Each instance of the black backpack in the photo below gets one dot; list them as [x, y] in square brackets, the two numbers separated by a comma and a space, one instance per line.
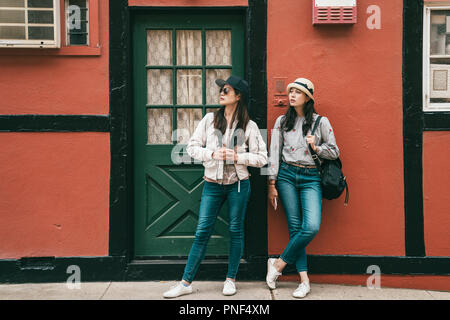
[333, 180]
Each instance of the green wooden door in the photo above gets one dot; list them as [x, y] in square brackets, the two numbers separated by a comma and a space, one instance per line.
[176, 58]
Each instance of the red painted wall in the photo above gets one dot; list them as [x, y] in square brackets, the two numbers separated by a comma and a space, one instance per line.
[55, 186]
[54, 194]
[436, 194]
[358, 77]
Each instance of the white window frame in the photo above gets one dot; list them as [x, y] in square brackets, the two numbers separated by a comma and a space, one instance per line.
[427, 105]
[56, 43]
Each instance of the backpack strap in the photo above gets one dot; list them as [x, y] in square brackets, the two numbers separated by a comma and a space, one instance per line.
[313, 153]
[316, 125]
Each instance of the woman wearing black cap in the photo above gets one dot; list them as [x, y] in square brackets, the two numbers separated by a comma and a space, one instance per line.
[226, 141]
[294, 176]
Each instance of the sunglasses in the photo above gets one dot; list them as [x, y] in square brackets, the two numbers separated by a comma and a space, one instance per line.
[225, 90]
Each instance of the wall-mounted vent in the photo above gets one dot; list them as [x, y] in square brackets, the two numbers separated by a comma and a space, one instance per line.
[334, 12]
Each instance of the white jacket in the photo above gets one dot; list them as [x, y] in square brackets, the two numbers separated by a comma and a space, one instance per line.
[204, 141]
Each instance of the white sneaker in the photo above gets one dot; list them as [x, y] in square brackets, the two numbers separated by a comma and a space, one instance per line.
[272, 273]
[303, 289]
[178, 290]
[229, 288]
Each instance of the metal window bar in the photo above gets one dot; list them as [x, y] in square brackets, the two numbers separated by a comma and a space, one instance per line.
[72, 35]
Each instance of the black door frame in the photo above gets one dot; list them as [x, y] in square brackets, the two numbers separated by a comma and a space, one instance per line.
[121, 204]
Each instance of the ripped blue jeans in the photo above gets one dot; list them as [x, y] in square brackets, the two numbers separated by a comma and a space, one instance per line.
[300, 192]
[213, 197]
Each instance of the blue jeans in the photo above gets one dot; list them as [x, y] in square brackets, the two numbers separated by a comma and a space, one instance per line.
[300, 192]
[213, 197]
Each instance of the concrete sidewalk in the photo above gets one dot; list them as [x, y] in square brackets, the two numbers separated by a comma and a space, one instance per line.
[204, 290]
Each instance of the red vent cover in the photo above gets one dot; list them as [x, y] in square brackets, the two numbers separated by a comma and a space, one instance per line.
[334, 12]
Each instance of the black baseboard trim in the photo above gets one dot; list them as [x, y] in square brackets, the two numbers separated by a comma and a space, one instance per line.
[51, 269]
[54, 123]
[436, 121]
[353, 264]
[118, 269]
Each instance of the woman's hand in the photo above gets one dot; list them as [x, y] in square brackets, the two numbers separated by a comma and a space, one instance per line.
[225, 154]
[230, 155]
[219, 154]
[311, 140]
[273, 196]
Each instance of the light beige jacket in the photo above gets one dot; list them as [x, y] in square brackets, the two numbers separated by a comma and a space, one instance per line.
[252, 152]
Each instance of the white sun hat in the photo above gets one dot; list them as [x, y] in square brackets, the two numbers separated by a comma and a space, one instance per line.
[304, 85]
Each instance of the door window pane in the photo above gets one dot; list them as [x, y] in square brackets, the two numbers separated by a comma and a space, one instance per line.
[189, 87]
[159, 87]
[188, 84]
[189, 48]
[159, 126]
[159, 47]
[187, 121]
[208, 110]
[212, 89]
[218, 47]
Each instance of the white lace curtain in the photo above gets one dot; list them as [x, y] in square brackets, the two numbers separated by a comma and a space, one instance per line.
[188, 81]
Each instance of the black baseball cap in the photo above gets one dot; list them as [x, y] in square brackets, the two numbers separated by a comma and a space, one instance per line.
[237, 83]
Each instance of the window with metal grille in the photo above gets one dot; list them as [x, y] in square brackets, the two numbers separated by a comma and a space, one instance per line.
[77, 22]
[29, 23]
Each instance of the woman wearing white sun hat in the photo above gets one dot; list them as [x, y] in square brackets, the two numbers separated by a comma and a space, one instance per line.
[294, 178]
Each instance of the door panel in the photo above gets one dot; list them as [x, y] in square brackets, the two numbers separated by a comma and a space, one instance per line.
[176, 58]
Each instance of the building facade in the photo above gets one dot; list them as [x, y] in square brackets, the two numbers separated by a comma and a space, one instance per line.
[90, 132]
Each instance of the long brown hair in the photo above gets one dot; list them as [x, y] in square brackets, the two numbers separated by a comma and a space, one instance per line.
[288, 121]
[241, 114]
